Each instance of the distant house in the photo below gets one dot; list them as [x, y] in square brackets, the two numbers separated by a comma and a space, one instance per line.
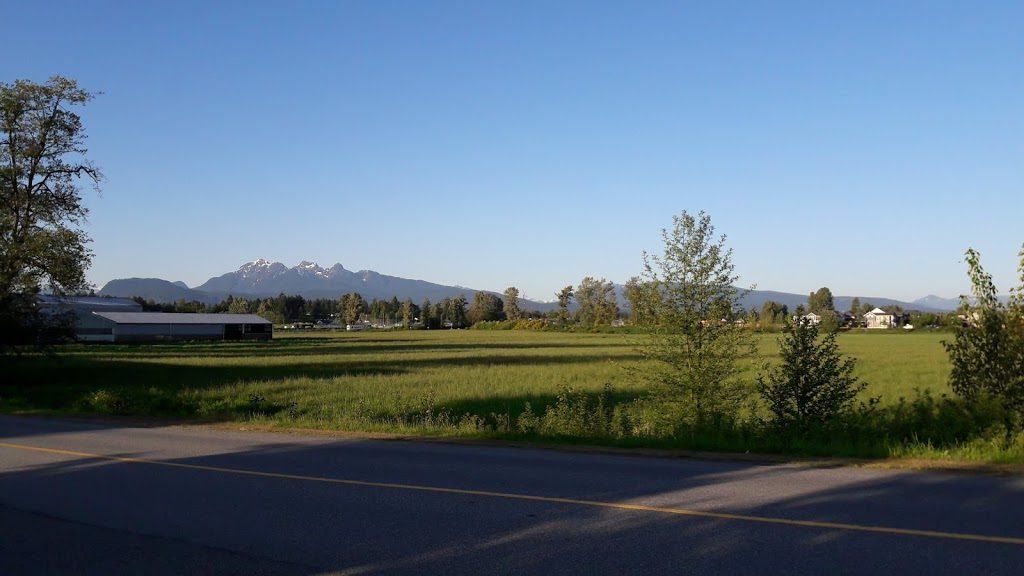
[879, 318]
[811, 318]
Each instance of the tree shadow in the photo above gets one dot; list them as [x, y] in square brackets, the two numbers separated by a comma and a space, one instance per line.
[151, 380]
[311, 345]
[361, 506]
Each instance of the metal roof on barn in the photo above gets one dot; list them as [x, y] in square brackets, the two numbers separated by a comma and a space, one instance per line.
[92, 301]
[180, 318]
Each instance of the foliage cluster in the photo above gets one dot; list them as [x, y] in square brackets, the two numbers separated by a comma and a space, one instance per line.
[821, 301]
[577, 414]
[813, 384]
[42, 247]
[689, 300]
[987, 354]
[773, 315]
[596, 303]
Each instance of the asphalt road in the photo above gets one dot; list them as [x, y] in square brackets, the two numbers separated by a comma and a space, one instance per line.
[78, 498]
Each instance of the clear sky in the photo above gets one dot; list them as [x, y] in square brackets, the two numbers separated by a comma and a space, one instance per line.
[861, 146]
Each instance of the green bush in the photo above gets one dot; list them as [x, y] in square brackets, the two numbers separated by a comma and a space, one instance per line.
[813, 384]
[575, 414]
[987, 354]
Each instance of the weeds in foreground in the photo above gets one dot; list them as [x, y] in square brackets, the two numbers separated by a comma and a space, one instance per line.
[921, 426]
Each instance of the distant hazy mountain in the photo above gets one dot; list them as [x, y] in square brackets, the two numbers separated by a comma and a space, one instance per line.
[948, 304]
[756, 298]
[263, 278]
[155, 289]
[938, 303]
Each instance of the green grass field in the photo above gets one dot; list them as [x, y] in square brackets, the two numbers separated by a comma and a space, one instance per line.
[478, 383]
[347, 380]
[328, 376]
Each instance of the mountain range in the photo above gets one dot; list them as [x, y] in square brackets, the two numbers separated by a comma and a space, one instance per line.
[262, 278]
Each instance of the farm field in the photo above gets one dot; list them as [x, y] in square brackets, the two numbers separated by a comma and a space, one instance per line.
[390, 381]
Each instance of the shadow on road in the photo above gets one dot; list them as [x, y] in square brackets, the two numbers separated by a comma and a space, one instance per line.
[315, 506]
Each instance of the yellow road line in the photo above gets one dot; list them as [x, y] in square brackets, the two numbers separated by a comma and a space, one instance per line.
[556, 500]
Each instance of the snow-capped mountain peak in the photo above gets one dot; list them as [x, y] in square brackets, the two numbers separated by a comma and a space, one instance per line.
[261, 269]
[307, 267]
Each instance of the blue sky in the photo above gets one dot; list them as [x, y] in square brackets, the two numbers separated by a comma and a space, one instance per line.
[862, 146]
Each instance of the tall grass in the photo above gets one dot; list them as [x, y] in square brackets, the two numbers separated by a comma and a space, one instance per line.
[507, 383]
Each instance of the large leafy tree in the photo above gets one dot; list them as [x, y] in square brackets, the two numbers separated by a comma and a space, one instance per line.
[409, 312]
[829, 321]
[42, 162]
[442, 311]
[596, 303]
[634, 294]
[512, 311]
[486, 307]
[266, 311]
[380, 311]
[425, 313]
[564, 296]
[773, 312]
[987, 353]
[693, 355]
[352, 307]
[607, 310]
[240, 306]
[458, 311]
[820, 300]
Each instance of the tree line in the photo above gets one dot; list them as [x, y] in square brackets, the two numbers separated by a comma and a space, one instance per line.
[352, 308]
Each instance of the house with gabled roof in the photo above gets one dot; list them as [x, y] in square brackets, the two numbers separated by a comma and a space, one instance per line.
[879, 318]
[810, 318]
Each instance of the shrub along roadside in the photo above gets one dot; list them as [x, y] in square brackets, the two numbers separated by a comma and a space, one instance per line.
[813, 385]
[921, 426]
[987, 354]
